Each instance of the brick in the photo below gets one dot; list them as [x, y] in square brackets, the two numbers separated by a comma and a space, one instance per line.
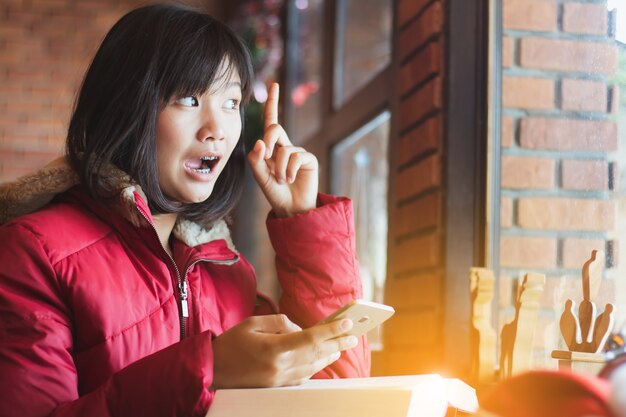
[527, 93]
[576, 251]
[568, 55]
[425, 64]
[508, 52]
[407, 9]
[568, 134]
[588, 19]
[418, 290]
[420, 177]
[429, 24]
[547, 337]
[559, 289]
[506, 212]
[584, 95]
[507, 138]
[529, 15]
[421, 103]
[566, 214]
[31, 146]
[41, 64]
[527, 252]
[520, 172]
[424, 138]
[414, 254]
[402, 328]
[418, 215]
[586, 175]
[12, 30]
[52, 4]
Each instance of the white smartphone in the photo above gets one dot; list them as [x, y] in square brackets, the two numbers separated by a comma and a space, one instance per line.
[365, 315]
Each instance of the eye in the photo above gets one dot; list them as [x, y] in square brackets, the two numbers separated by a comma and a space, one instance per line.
[190, 101]
[232, 104]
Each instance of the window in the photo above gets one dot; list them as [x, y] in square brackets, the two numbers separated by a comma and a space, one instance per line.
[563, 146]
[360, 170]
[363, 46]
[305, 34]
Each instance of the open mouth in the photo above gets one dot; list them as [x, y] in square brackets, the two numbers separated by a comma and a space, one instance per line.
[203, 165]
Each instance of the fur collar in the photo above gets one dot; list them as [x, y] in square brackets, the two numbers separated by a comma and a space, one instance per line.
[31, 192]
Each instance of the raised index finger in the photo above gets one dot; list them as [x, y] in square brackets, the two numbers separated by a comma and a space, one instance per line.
[271, 106]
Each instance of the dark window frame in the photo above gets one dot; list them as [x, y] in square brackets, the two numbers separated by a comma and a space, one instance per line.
[472, 129]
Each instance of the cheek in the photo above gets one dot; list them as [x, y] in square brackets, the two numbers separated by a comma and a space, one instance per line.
[167, 137]
[233, 135]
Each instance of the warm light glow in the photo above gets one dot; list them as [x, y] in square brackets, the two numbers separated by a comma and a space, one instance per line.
[260, 92]
[302, 4]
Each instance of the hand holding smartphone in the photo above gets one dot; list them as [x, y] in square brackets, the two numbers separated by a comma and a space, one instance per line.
[365, 315]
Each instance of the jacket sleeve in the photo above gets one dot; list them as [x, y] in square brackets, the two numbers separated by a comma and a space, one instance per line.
[318, 272]
[37, 372]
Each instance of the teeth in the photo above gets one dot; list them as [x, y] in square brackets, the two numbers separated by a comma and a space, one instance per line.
[202, 171]
[209, 158]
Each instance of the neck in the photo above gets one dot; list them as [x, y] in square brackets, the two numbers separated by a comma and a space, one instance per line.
[164, 223]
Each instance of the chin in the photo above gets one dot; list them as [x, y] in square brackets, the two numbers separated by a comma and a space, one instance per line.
[200, 197]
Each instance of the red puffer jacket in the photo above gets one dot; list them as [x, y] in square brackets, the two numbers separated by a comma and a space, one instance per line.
[90, 303]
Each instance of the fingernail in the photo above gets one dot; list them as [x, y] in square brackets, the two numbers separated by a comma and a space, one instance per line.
[335, 356]
[346, 324]
[268, 153]
[289, 180]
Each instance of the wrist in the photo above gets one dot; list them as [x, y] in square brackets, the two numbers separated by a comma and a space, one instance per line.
[282, 213]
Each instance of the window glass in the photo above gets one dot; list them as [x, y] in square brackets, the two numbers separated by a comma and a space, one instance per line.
[360, 171]
[363, 44]
[304, 88]
[563, 143]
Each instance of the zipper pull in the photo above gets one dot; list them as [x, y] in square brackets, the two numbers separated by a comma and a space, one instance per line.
[183, 299]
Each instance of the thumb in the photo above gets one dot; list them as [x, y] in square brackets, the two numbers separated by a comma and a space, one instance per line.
[274, 324]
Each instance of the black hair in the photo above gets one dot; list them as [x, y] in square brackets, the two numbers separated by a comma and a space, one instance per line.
[151, 55]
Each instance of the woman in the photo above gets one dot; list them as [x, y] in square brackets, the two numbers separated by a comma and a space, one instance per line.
[120, 291]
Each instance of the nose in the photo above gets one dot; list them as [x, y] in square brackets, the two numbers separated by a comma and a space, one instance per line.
[211, 129]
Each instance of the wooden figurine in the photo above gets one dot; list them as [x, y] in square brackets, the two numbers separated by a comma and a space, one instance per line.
[517, 337]
[585, 334]
[482, 333]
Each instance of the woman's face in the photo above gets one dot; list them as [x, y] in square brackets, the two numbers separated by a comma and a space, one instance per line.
[195, 136]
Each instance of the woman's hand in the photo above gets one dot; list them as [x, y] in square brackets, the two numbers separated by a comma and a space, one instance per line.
[287, 174]
[270, 351]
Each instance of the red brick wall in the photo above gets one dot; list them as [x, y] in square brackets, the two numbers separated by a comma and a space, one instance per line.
[557, 140]
[412, 339]
[45, 48]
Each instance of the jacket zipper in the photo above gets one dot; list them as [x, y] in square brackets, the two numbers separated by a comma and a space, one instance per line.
[183, 288]
[182, 283]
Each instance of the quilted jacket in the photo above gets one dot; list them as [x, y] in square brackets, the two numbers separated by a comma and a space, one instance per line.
[96, 319]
